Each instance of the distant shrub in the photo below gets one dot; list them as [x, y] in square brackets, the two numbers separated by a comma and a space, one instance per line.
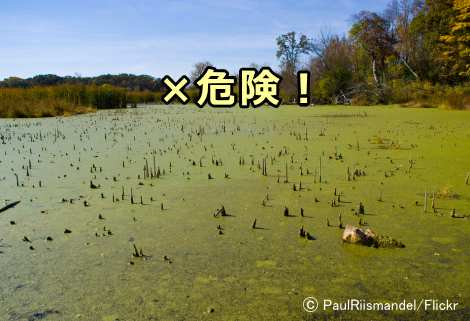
[416, 94]
[456, 97]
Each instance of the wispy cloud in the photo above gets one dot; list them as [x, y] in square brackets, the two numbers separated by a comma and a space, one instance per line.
[157, 36]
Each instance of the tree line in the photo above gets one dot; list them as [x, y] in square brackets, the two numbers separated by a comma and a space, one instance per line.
[52, 95]
[128, 81]
[415, 52]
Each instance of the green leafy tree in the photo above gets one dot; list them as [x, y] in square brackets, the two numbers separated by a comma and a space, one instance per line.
[289, 51]
[456, 48]
[332, 70]
[372, 33]
[427, 27]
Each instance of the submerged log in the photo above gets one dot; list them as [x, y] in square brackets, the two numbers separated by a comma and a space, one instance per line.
[8, 206]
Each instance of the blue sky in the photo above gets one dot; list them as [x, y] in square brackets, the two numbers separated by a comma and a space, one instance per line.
[92, 37]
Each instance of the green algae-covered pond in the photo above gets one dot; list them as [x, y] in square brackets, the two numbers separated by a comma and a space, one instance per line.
[154, 177]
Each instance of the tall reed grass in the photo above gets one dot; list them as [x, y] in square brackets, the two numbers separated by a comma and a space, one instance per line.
[65, 100]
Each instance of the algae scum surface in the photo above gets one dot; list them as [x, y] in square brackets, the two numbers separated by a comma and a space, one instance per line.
[195, 265]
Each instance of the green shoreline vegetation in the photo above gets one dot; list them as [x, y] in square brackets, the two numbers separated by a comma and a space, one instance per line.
[414, 53]
[63, 100]
[66, 100]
